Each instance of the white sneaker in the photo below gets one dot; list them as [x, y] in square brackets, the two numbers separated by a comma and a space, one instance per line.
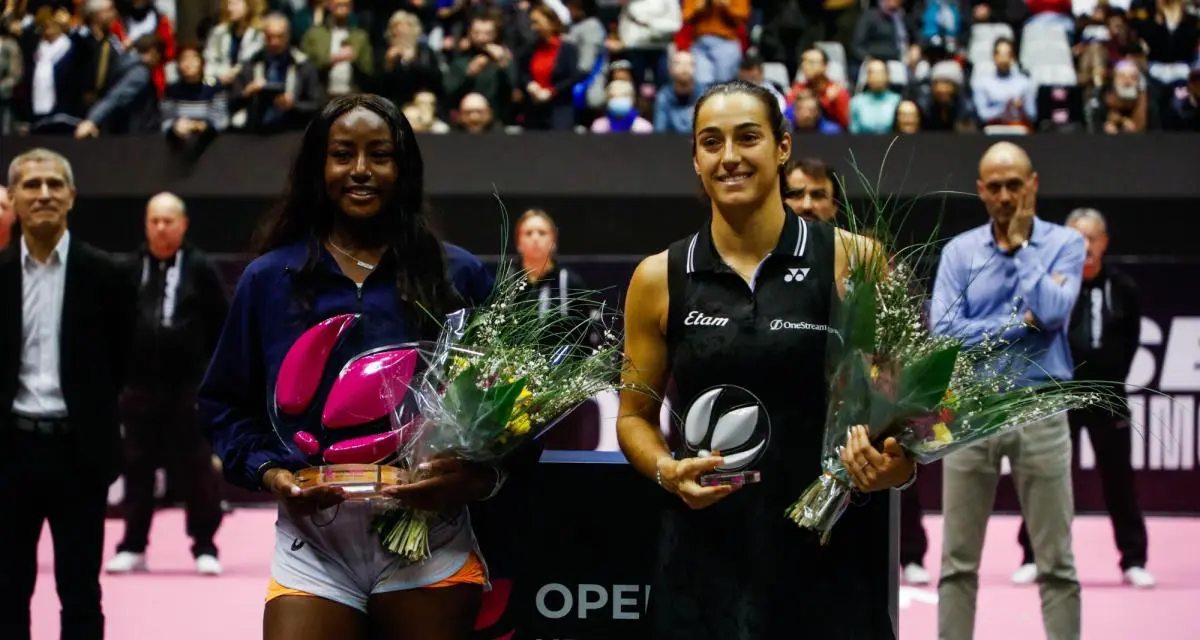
[207, 565]
[127, 562]
[1139, 578]
[1025, 574]
[915, 574]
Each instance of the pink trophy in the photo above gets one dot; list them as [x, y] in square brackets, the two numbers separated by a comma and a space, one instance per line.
[356, 439]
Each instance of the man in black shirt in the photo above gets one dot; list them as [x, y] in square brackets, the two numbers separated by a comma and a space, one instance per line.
[181, 308]
[1104, 333]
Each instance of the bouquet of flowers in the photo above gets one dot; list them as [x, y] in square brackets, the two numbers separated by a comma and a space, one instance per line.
[931, 393]
[497, 378]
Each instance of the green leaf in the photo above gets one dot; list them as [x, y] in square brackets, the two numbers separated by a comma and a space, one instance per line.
[463, 395]
[923, 382]
[860, 311]
[497, 406]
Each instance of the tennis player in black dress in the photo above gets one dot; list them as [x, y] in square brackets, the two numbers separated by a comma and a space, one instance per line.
[737, 315]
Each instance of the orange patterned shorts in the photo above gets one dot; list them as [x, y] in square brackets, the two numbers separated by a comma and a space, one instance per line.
[471, 573]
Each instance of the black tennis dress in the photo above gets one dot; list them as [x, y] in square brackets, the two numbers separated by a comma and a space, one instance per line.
[739, 569]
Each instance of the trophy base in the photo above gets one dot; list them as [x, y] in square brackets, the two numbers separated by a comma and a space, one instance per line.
[358, 481]
[735, 479]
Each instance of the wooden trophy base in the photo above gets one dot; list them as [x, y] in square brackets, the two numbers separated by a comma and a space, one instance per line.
[358, 481]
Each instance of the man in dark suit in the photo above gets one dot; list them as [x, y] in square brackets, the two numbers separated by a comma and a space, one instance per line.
[65, 321]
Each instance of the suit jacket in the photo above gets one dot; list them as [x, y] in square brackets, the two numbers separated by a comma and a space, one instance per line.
[97, 326]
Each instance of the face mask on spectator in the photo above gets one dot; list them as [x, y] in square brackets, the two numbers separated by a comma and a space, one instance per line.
[620, 106]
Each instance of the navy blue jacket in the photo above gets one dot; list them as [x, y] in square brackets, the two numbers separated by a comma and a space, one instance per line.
[265, 320]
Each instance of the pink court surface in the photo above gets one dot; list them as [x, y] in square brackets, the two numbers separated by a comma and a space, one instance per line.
[173, 602]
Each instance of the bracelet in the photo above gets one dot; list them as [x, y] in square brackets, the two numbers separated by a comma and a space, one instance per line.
[500, 478]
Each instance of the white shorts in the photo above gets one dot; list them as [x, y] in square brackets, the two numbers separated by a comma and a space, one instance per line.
[335, 555]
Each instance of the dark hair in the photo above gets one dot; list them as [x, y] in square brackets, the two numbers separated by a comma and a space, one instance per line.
[824, 56]
[817, 169]
[150, 42]
[775, 120]
[556, 23]
[307, 214]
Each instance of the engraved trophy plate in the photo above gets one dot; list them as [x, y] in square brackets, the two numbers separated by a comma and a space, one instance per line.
[358, 481]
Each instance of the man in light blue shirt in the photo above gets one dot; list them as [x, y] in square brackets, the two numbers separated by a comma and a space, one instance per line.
[1017, 277]
[1004, 96]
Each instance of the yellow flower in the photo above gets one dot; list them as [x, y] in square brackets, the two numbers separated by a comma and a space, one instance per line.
[941, 433]
[519, 424]
[874, 372]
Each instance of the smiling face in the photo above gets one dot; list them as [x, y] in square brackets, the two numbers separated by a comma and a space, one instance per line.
[360, 164]
[737, 155]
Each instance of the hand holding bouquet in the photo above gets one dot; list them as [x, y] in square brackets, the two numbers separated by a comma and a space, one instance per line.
[891, 378]
[496, 379]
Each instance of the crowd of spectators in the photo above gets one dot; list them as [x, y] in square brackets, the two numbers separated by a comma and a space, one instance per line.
[103, 67]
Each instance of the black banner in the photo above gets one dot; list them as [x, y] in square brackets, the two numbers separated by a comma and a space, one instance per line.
[633, 195]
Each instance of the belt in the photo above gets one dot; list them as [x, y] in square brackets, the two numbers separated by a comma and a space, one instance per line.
[45, 426]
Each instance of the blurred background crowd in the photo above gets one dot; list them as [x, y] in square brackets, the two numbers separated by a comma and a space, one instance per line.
[194, 69]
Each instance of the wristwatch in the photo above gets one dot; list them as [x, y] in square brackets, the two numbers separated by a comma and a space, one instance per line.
[1013, 251]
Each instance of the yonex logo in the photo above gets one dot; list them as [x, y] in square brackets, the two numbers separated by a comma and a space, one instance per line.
[796, 275]
[729, 420]
[698, 319]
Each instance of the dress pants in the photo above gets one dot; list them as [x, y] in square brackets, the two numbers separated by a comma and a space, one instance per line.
[1110, 437]
[913, 541]
[1040, 455]
[45, 480]
[161, 430]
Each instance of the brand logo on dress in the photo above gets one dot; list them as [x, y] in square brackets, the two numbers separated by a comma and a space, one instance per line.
[731, 421]
[796, 275]
[698, 319]
[785, 325]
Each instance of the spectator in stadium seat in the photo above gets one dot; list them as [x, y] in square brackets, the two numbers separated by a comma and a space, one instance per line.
[644, 29]
[715, 42]
[874, 109]
[235, 39]
[278, 89]
[194, 109]
[750, 69]
[942, 19]
[1184, 114]
[1173, 35]
[141, 18]
[944, 106]
[1121, 36]
[341, 53]
[55, 75]
[103, 48]
[884, 33]
[586, 32]
[484, 67]
[908, 118]
[131, 104]
[475, 115]
[422, 113]
[1007, 96]
[547, 73]
[407, 65]
[1052, 12]
[674, 102]
[835, 99]
[313, 13]
[620, 115]
[7, 218]
[812, 189]
[11, 70]
[1125, 107]
[807, 116]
